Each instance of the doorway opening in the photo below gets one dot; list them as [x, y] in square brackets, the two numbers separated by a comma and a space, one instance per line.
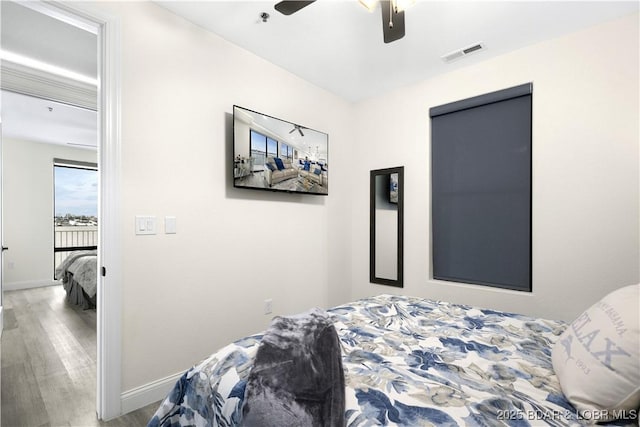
[40, 78]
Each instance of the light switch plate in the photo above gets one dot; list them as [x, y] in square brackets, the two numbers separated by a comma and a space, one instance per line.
[145, 224]
[170, 226]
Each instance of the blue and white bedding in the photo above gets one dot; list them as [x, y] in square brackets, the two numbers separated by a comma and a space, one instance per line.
[407, 362]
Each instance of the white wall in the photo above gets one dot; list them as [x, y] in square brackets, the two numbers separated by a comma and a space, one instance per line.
[585, 170]
[187, 294]
[28, 209]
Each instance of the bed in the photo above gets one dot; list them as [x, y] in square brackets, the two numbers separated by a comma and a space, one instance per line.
[408, 362]
[79, 276]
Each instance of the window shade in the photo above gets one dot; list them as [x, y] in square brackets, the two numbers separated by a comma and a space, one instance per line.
[481, 189]
[75, 164]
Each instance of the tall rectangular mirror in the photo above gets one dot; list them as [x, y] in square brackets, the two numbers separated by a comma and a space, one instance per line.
[386, 226]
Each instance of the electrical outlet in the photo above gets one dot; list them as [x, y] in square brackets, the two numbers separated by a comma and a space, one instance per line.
[268, 306]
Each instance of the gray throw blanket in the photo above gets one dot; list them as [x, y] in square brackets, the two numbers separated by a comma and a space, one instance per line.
[297, 377]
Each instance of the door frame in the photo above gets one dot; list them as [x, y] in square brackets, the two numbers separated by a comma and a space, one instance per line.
[109, 297]
[2, 245]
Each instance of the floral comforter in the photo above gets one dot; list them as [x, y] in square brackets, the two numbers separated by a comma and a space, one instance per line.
[407, 362]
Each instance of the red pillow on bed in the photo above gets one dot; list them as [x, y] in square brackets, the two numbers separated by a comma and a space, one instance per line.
[597, 358]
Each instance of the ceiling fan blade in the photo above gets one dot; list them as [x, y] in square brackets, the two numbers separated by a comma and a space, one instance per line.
[287, 7]
[393, 32]
[297, 128]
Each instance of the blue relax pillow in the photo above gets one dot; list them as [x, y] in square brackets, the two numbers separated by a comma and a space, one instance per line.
[317, 171]
[307, 165]
[279, 163]
[270, 166]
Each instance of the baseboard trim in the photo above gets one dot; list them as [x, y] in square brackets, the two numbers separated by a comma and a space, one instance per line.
[144, 395]
[18, 286]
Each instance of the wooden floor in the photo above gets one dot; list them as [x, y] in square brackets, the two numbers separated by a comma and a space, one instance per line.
[48, 352]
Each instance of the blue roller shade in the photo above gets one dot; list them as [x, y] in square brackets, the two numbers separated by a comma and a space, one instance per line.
[481, 189]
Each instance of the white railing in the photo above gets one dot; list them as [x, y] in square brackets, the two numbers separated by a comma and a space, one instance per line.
[69, 238]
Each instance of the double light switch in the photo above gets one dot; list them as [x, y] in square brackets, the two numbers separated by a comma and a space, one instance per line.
[145, 224]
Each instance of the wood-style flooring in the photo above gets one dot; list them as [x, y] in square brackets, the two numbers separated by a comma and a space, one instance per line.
[48, 352]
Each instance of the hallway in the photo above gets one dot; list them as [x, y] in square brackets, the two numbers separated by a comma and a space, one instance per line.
[48, 353]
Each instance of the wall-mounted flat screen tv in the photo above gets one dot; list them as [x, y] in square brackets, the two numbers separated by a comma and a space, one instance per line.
[277, 155]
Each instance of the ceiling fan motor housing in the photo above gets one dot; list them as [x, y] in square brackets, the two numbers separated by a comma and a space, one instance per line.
[392, 17]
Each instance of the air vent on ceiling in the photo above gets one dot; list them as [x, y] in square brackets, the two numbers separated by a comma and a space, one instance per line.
[459, 53]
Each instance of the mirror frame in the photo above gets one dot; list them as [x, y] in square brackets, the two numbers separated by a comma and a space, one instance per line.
[399, 281]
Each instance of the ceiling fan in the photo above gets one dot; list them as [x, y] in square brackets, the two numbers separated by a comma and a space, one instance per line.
[298, 128]
[392, 14]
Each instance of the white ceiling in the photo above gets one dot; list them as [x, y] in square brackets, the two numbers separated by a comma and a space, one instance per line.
[338, 45]
[35, 35]
[313, 144]
[35, 119]
[56, 44]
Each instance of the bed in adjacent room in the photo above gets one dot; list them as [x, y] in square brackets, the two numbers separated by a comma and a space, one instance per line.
[79, 276]
[409, 361]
